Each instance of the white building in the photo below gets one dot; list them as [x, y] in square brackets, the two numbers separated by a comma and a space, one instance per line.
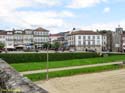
[21, 39]
[28, 37]
[2, 36]
[18, 39]
[85, 40]
[40, 37]
[9, 40]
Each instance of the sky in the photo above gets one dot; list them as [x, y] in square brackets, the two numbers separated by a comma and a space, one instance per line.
[62, 15]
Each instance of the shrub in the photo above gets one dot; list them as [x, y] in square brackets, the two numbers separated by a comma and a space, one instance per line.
[41, 57]
[112, 54]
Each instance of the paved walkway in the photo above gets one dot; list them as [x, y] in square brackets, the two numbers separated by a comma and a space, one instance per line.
[104, 82]
[68, 68]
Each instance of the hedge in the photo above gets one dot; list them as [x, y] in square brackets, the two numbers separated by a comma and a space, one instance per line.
[111, 54]
[41, 57]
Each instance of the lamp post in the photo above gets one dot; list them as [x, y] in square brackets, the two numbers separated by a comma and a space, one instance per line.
[47, 61]
[47, 70]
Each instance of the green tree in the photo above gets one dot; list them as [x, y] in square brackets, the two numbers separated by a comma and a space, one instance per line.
[57, 45]
[45, 45]
[105, 31]
[2, 45]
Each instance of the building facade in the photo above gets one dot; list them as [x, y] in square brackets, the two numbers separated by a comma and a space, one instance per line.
[23, 39]
[54, 37]
[41, 36]
[85, 40]
[61, 38]
[117, 40]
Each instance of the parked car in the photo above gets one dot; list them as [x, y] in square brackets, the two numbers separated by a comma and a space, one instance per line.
[91, 51]
[1, 50]
[71, 50]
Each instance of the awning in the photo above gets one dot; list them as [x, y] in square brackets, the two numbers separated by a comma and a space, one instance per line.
[19, 46]
[11, 47]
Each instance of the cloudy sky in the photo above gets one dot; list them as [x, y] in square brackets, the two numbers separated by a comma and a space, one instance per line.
[62, 15]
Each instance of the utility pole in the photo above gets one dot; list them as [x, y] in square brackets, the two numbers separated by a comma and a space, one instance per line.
[47, 62]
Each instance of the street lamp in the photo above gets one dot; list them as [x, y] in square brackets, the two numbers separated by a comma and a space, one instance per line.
[47, 61]
[47, 70]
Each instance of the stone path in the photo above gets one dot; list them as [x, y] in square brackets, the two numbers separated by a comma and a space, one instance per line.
[68, 68]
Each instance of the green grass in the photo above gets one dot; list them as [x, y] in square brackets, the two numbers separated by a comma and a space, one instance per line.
[42, 76]
[57, 64]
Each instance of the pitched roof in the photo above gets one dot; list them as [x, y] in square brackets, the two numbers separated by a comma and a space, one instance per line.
[54, 35]
[85, 32]
[41, 29]
[28, 29]
[2, 33]
[10, 32]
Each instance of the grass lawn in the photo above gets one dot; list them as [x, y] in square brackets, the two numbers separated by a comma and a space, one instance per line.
[42, 76]
[56, 64]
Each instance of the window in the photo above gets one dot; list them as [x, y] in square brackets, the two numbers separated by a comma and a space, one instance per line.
[84, 37]
[89, 43]
[40, 33]
[35, 33]
[93, 42]
[89, 37]
[104, 43]
[93, 37]
[79, 37]
[84, 43]
[43, 33]
[79, 42]
[98, 37]
[98, 42]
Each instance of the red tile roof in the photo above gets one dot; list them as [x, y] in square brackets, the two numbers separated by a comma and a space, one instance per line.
[54, 35]
[28, 29]
[2, 33]
[41, 29]
[84, 32]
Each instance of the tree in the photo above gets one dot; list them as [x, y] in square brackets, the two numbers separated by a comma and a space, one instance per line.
[46, 45]
[2, 45]
[105, 31]
[57, 45]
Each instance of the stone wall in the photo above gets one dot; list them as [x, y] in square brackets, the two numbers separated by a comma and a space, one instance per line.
[12, 82]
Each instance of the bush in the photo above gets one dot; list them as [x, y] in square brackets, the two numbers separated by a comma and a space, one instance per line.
[41, 57]
[113, 54]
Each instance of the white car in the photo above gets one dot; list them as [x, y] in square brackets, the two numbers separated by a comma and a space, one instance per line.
[71, 50]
